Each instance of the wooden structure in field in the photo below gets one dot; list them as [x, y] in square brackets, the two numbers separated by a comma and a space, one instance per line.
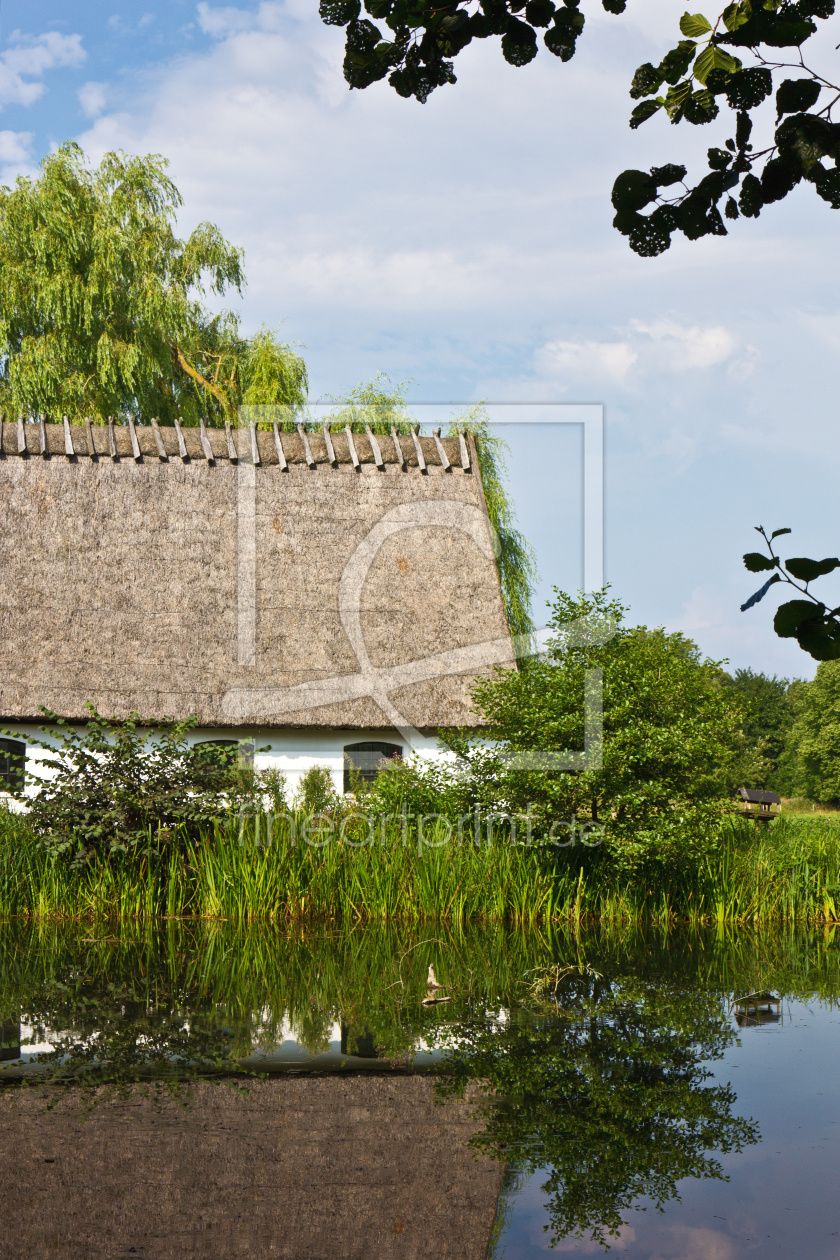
[758, 804]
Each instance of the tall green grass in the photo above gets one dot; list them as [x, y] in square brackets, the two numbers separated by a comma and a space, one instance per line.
[788, 871]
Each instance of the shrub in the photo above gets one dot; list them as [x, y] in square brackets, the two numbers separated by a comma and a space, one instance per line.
[118, 787]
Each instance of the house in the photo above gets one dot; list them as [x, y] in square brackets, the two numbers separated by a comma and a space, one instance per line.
[326, 597]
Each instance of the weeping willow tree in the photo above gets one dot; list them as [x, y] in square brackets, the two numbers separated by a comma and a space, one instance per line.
[376, 404]
[101, 304]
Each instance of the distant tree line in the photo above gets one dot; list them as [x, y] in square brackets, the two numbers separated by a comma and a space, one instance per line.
[792, 731]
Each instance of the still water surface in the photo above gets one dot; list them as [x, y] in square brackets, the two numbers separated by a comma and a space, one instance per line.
[629, 1101]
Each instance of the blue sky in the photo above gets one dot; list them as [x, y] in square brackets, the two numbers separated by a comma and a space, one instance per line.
[467, 244]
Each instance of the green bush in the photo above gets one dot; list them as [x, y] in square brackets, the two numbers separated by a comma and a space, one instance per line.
[118, 787]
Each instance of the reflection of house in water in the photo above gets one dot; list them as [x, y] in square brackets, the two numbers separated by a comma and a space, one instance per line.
[756, 1009]
[9, 1042]
[342, 1166]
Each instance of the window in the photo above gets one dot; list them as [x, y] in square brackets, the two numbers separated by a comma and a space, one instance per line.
[228, 751]
[366, 759]
[12, 759]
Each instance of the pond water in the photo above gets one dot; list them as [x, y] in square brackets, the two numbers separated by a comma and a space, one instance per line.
[658, 1094]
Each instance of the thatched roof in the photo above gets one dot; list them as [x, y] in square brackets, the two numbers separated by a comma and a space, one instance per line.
[159, 580]
[350, 1168]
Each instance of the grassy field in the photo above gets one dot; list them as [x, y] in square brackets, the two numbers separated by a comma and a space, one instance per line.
[789, 870]
[802, 806]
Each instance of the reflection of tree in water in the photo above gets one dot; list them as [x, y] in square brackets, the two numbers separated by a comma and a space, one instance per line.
[601, 1083]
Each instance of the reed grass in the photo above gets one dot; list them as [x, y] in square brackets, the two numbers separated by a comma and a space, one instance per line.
[262, 872]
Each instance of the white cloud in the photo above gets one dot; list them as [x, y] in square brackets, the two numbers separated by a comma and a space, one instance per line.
[646, 349]
[222, 22]
[594, 359]
[15, 146]
[117, 24]
[92, 99]
[688, 347]
[28, 58]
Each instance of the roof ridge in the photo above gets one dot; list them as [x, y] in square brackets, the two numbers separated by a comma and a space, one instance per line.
[323, 450]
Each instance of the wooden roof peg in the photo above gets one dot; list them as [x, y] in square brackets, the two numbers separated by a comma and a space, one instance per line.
[182, 446]
[22, 448]
[330, 449]
[135, 445]
[112, 440]
[91, 445]
[161, 449]
[444, 462]
[352, 447]
[398, 448]
[255, 446]
[421, 463]
[374, 448]
[231, 445]
[307, 452]
[205, 443]
[278, 442]
[68, 440]
[465, 454]
[45, 450]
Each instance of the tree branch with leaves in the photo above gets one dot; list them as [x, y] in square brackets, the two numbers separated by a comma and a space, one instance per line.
[705, 71]
[814, 625]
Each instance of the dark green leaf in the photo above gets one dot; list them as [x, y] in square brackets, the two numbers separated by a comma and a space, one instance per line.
[719, 159]
[757, 563]
[520, 34]
[794, 96]
[626, 221]
[569, 19]
[676, 98]
[777, 533]
[632, 190]
[736, 15]
[694, 25]
[539, 12]
[646, 81]
[614, 6]
[561, 42]
[820, 639]
[743, 129]
[644, 111]
[518, 52]
[675, 63]
[339, 12]
[778, 178]
[790, 616]
[817, 8]
[748, 88]
[714, 58]
[652, 236]
[730, 210]
[788, 34]
[664, 176]
[807, 570]
[700, 108]
[750, 200]
[827, 184]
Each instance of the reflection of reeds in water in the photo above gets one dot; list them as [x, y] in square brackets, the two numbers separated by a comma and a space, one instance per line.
[788, 871]
[133, 1001]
